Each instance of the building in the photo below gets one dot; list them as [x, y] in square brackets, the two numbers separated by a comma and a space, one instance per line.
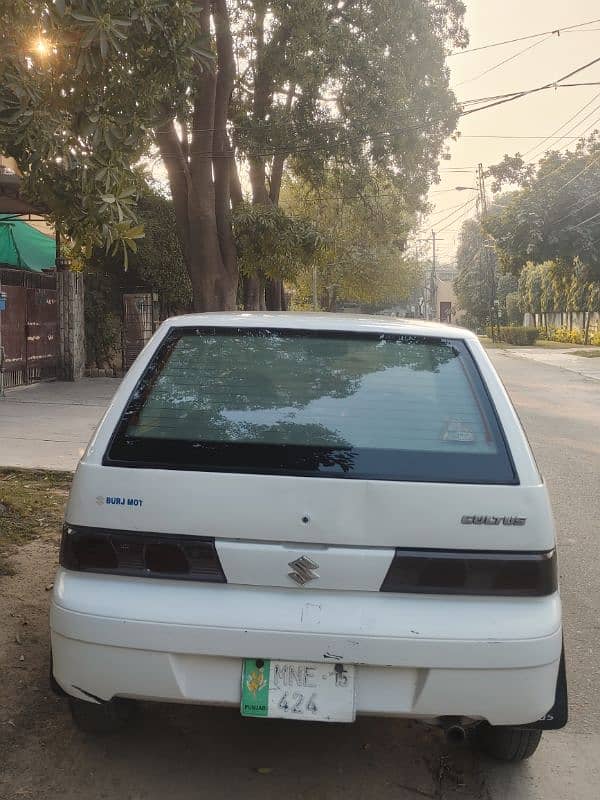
[446, 303]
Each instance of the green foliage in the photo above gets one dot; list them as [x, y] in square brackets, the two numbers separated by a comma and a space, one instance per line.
[76, 111]
[158, 263]
[362, 257]
[102, 322]
[516, 334]
[361, 85]
[157, 266]
[552, 287]
[475, 283]
[272, 243]
[567, 336]
[514, 313]
[555, 215]
[359, 88]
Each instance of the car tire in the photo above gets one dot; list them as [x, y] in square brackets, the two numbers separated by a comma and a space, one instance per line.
[505, 743]
[101, 718]
[54, 684]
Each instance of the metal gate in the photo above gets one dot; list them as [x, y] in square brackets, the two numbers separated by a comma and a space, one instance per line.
[28, 327]
[140, 320]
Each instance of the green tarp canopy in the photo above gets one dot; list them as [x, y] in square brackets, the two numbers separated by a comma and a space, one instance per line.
[24, 247]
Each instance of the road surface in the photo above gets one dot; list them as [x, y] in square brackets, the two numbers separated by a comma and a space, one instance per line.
[186, 753]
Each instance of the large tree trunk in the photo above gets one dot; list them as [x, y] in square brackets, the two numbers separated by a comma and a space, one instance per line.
[199, 175]
[223, 161]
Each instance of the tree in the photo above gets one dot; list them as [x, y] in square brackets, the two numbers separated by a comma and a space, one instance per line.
[359, 85]
[273, 246]
[104, 81]
[507, 285]
[157, 266]
[362, 255]
[71, 110]
[285, 85]
[476, 282]
[555, 215]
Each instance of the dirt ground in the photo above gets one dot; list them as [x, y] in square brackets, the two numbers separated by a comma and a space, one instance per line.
[188, 753]
[178, 751]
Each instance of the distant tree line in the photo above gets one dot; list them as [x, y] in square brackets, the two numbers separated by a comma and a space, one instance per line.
[545, 234]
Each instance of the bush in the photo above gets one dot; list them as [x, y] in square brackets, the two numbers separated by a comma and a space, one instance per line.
[517, 334]
[595, 338]
[513, 308]
[568, 337]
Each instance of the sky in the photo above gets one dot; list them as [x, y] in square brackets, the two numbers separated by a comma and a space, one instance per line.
[536, 116]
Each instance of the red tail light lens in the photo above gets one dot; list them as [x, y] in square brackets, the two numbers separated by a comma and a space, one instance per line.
[148, 555]
[505, 574]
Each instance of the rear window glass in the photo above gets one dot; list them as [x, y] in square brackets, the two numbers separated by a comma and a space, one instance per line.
[304, 402]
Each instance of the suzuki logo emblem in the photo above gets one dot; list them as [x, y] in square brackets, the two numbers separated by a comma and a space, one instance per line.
[303, 570]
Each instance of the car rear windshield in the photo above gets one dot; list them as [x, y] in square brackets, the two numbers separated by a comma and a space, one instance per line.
[381, 407]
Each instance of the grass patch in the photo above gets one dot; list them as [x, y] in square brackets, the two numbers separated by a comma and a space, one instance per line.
[543, 344]
[550, 345]
[586, 353]
[32, 504]
[490, 345]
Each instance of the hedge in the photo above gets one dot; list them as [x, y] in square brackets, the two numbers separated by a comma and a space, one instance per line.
[516, 334]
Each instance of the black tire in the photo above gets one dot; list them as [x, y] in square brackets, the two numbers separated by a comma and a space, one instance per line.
[101, 718]
[54, 684]
[506, 743]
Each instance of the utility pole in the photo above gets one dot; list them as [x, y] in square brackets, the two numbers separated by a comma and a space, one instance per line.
[431, 283]
[491, 271]
[433, 278]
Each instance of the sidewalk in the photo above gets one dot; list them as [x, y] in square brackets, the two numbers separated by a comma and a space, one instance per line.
[48, 425]
[563, 359]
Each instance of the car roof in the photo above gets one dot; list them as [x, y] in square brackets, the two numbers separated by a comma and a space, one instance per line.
[314, 321]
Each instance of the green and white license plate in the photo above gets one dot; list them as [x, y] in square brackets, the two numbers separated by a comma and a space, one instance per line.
[298, 690]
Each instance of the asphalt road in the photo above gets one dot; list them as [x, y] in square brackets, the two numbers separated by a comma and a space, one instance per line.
[186, 753]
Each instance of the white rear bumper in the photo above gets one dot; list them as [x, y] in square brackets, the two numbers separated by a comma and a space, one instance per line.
[417, 656]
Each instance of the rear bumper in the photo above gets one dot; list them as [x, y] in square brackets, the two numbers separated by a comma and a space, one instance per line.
[417, 656]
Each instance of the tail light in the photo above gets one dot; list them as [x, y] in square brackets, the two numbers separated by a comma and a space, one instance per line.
[505, 574]
[148, 555]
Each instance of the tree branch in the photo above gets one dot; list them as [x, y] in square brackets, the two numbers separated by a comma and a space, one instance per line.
[223, 161]
[179, 178]
[279, 159]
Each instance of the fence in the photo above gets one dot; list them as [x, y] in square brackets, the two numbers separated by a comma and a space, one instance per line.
[564, 319]
[28, 327]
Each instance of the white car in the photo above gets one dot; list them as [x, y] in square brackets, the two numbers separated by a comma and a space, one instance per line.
[313, 516]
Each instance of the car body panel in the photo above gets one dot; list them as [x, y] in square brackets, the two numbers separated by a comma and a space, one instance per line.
[493, 658]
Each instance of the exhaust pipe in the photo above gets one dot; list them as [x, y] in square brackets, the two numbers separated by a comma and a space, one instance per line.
[456, 733]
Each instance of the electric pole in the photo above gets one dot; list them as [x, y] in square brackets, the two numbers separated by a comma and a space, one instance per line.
[491, 271]
[433, 289]
[431, 282]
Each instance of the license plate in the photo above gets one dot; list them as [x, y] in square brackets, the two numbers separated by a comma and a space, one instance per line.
[298, 690]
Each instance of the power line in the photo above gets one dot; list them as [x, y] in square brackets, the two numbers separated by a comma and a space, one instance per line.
[445, 211]
[458, 218]
[518, 95]
[515, 136]
[288, 149]
[454, 213]
[577, 207]
[556, 31]
[504, 61]
[585, 221]
[564, 125]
